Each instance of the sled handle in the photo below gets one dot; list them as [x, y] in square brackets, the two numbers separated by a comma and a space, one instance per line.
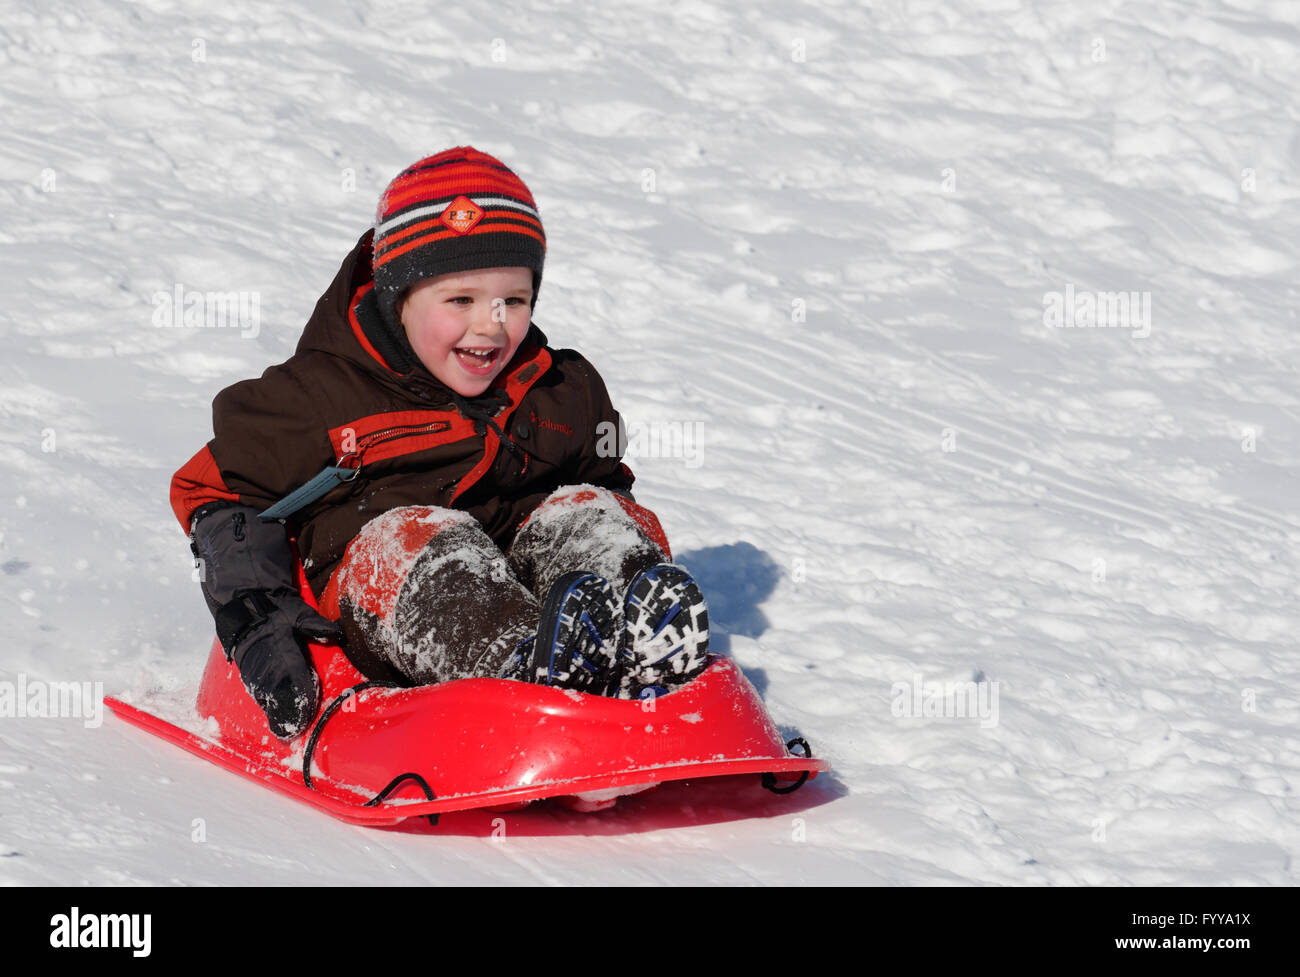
[393, 784]
[769, 780]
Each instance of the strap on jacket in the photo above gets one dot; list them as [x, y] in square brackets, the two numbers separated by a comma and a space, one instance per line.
[320, 484]
[482, 410]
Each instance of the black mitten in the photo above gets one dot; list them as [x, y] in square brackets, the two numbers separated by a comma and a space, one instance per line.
[248, 574]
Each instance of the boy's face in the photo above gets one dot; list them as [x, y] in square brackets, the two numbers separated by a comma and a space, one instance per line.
[466, 326]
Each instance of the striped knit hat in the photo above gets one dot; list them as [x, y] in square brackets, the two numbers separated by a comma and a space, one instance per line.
[458, 210]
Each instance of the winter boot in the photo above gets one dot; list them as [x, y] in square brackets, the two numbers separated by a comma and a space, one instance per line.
[665, 639]
[577, 637]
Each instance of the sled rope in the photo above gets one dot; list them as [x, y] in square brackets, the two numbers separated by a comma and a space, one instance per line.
[396, 782]
[769, 780]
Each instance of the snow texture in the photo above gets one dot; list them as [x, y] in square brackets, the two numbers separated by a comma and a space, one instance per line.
[439, 600]
[581, 527]
[957, 341]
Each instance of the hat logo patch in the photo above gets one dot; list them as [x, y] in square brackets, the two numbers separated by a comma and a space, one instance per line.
[462, 214]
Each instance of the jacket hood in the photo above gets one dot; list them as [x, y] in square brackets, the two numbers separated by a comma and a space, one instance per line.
[347, 323]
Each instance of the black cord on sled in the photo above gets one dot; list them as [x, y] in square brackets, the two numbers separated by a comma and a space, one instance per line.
[396, 782]
[769, 780]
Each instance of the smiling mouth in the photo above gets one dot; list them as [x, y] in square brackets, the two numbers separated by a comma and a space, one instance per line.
[477, 358]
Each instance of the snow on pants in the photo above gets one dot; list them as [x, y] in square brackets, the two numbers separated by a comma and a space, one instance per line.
[424, 595]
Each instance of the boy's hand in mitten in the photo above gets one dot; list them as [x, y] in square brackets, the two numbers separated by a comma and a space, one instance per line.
[249, 578]
[260, 632]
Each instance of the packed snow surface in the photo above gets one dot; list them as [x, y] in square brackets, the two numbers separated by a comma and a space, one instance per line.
[959, 349]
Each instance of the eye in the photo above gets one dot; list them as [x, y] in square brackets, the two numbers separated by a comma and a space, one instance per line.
[460, 299]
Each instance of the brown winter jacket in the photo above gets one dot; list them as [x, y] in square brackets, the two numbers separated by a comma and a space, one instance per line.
[337, 401]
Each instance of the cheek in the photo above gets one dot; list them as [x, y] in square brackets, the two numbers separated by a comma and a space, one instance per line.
[518, 325]
[515, 339]
[433, 334]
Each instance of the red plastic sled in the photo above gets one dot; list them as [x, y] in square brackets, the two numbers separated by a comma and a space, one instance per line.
[377, 754]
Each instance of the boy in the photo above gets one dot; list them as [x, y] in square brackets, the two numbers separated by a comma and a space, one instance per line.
[439, 468]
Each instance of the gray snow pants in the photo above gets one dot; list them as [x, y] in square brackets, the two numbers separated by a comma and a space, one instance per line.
[424, 595]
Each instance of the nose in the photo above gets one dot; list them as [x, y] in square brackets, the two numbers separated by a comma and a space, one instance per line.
[490, 320]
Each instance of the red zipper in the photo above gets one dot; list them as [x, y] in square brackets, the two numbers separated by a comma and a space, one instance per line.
[400, 431]
[395, 433]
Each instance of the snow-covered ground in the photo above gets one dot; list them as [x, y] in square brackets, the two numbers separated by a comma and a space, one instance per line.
[831, 240]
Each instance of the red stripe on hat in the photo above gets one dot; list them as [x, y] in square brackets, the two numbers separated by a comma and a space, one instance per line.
[467, 180]
[459, 171]
[456, 180]
[394, 237]
[500, 219]
[457, 154]
[424, 239]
